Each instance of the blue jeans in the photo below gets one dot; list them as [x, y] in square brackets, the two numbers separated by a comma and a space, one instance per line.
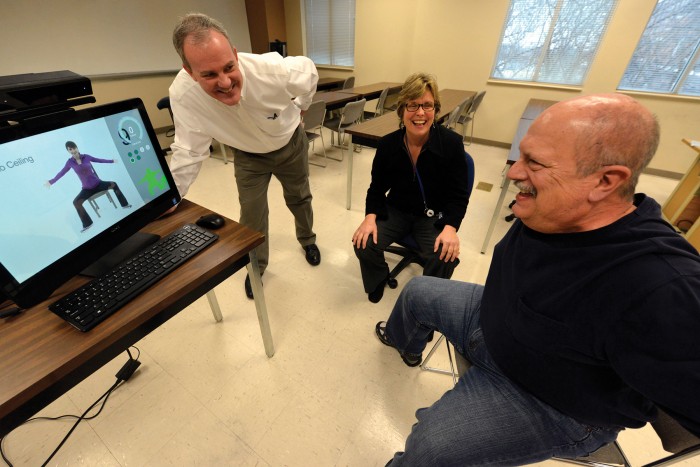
[486, 419]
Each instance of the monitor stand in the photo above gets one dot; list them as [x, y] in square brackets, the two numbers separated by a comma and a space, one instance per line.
[125, 250]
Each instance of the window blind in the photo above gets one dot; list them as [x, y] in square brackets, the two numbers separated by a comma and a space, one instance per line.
[330, 31]
[551, 41]
[667, 57]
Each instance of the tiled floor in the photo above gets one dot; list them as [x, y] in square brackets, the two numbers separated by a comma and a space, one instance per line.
[206, 394]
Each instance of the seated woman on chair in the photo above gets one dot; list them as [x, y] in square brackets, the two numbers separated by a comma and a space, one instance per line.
[81, 164]
[418, 187]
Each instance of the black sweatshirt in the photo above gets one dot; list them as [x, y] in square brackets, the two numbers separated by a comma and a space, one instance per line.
[602, 325]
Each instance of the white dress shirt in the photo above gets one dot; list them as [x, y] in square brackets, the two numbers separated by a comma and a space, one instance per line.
[274, 91]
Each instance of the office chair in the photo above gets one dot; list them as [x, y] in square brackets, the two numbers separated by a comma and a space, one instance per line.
[380, 106]
[468, 116]
[451, 121]
[164, 103]
[313, 121]
[348, 83]
[351, 114]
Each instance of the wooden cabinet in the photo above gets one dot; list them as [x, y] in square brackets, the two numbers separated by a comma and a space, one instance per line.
[682, 208]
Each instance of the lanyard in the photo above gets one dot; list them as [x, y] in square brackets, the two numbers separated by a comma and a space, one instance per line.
[428, 212]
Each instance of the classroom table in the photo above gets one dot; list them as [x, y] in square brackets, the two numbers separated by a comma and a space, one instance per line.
[42, 356]
[335, 99]
[372, 91]
[329, 84]
[368, 133]
[532, 110]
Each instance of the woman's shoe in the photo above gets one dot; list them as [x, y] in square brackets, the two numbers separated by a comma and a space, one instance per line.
[409, 359]
[377, 293]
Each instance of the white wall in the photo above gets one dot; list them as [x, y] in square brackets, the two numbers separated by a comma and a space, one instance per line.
[457, 41]
[94, 37]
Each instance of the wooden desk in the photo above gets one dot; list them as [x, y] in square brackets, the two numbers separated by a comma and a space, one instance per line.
[532, 110]
[335, 99]
[369, 133]
[372, 91]
[42, 356]
[329, 84]
[450, 100]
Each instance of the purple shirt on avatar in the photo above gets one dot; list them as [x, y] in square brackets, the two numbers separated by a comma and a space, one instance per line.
[84, 171]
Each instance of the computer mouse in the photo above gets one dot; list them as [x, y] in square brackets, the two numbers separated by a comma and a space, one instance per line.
[211, 221]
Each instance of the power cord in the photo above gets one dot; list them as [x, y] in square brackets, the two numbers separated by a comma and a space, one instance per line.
[10, 311]
[123, 375]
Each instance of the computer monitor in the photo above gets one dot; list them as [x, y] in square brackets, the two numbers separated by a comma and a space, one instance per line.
[60, 215]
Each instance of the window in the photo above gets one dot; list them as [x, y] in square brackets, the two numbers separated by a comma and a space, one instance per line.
[551, 41]
[667, 57]
[330, 31]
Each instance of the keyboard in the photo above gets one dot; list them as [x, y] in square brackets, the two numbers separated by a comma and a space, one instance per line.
[89, 305]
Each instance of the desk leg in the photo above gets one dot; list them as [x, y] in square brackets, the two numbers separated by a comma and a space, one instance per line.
[260, 307]
[496, 212]
[214, 305]
[348, 198]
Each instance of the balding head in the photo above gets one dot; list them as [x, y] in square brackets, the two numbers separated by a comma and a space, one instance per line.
[609, 129]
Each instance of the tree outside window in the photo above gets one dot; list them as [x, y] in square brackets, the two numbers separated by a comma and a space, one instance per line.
[551, 41]
[667, 57]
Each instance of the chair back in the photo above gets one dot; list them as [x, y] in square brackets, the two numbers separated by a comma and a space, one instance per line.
[470, 174]
[164, 103]
[475, 103]
[352, 113]
[314, 115]
[380, 102]
[349, 83]
[391, 101]
[451, 121]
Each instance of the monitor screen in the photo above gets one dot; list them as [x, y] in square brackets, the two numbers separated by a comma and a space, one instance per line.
[73, 186]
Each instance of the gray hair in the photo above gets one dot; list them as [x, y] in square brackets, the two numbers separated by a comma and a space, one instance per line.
[626, 134]
[197, 27]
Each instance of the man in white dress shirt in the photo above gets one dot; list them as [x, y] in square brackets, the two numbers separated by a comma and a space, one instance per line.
[254, 104]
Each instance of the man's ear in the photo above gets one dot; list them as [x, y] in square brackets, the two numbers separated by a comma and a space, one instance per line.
[610, 179]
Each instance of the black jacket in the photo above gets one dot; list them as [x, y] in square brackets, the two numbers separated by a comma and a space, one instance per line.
[442, 167]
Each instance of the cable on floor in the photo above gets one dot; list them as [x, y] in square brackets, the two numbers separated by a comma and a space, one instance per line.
[123, 375]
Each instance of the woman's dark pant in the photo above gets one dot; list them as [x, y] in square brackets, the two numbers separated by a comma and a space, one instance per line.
[396, 226]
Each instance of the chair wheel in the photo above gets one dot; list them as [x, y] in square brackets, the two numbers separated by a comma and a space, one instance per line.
[392, 283]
